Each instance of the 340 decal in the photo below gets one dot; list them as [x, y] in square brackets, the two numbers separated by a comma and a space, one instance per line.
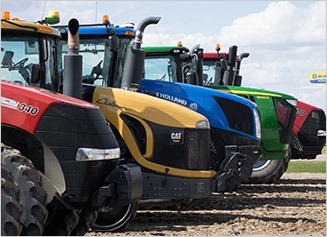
[29, 109]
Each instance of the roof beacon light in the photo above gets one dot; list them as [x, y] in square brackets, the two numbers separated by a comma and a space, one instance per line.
[53, 17]
[218, 47]
[179, 43]
[105, 19]
[5, 15]
[15, 19]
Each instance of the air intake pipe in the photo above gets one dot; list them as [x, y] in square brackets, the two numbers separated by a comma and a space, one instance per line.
[238, 77]
[135, 57]
[72, 85]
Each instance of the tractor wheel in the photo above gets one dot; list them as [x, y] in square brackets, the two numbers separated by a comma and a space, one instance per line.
[116, 219]
[86, 219]
[29, 181]
[268, 171]
[62, 223]
[11, 209]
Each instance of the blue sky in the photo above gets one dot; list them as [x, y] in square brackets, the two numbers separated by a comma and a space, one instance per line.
[286, 40]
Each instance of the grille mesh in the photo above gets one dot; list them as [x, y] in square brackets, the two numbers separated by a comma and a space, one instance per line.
[285, 114]
[239, 116]
[217, 148]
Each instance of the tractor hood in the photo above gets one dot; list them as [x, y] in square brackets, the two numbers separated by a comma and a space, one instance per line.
[224, 111]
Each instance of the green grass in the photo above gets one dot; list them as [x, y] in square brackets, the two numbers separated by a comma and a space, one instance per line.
[307, 167]
[323, 150]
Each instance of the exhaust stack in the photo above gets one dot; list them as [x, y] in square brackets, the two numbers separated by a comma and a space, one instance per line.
[228, 78]
[72, 85]
[135, 57]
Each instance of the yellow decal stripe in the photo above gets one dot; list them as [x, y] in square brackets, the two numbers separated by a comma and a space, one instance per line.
[251, 93]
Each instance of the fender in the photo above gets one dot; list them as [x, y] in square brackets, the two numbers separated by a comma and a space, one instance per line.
[199, 99]
[41, 156]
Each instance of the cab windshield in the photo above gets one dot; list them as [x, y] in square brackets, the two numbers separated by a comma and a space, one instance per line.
[212, 72]
[19, 54]
[163, 68]
[98, 58]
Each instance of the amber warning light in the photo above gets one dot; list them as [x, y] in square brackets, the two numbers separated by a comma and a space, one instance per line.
[5, 15]
[105, 19]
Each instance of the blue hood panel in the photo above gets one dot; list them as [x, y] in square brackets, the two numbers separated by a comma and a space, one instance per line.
[199, 99]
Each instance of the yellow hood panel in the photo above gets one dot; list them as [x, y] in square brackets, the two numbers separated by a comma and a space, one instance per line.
[147, 107]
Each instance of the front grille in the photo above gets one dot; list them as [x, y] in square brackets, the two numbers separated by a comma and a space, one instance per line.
[217, 148]
[192, 152]
[296, 143]
[197, 149]
[315, 121]
[64, 128]
[239, 116]
[285, 114]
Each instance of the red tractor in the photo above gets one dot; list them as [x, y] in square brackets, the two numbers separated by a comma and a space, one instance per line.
[60, 161]
[309, 132]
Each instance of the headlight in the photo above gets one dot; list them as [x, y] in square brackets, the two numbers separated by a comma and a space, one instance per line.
[87, 154]
[321, 133]
[257, 123]
[292, 102]
[202, 124]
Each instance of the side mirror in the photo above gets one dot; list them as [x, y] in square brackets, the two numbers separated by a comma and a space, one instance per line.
[194, 63]
[35, 73]
[113, 43]
[7, 59]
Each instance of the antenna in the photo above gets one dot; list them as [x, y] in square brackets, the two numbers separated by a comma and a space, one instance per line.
[157, 35]
[96, 11]
[45, 3]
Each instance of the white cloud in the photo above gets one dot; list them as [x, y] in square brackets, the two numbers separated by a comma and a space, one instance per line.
[280, 22]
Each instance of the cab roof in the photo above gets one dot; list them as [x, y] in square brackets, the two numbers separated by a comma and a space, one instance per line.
[28, 26]
[166, 49]
[98, 30]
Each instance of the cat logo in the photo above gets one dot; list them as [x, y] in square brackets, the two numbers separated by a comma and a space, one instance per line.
[176, 137]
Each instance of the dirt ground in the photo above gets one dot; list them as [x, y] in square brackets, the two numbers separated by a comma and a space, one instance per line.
[295, 206]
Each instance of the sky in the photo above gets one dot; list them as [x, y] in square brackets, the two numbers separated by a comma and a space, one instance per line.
[286, 39]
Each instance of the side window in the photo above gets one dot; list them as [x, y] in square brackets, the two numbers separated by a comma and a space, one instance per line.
[210, 74]
[18, 54]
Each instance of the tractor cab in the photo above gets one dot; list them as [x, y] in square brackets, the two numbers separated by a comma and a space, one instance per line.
[108, 52]
[25, 56]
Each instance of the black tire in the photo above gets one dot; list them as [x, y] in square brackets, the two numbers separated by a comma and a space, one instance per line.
[11, 209]
[62, 223]
[116, 219]
[34, 196]
[86, 219]
[268, 171]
